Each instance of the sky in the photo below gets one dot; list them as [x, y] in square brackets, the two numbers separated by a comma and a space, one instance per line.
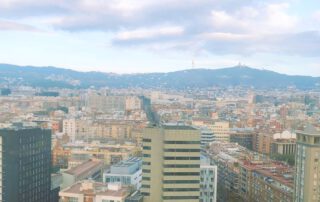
[131, 36]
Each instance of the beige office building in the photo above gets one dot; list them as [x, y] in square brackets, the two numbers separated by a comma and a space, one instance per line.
[307, 180]
[171, 164]
[221, 131]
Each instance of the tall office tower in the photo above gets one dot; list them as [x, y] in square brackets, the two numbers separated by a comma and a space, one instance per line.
[171, 164]
[307, 180]
[25, 165]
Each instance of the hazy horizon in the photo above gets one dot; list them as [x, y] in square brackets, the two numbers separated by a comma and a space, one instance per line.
[181, 69]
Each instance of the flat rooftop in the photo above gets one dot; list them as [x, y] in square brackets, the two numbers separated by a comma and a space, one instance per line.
[84, 167]
[178, 127]
[128, 162]
[96, 189]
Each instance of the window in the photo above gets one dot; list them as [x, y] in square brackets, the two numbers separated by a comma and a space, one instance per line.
[145, 170]
[73, 199]
[146, 140]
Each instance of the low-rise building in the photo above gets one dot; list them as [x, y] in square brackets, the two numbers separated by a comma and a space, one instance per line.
[91, 169]
[127, 172]
[94, 191]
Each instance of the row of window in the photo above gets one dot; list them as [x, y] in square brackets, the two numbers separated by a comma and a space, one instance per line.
[182, 142]
[181, 181]
[180, 197]
[181, 174]
[182, 166]
[180, 189]
[182, 150]
[181, 158]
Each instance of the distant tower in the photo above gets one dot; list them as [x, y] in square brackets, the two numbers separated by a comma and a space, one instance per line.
[193, 64]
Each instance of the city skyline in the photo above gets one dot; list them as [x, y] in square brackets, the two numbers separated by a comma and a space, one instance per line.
[151, 36]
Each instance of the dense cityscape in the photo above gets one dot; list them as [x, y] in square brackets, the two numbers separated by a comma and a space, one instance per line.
[159, 101]
[131, 145]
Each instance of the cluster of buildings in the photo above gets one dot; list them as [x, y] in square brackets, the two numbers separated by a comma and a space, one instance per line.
[135, 145]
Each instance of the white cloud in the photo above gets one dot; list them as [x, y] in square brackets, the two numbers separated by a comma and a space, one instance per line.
[14, 26]
[216, 26]
[149, 33]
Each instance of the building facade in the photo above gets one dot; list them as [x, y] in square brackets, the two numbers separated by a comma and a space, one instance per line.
[208, 183]
[307, 180]
[25, 156]
[171, 164]
[127, 172]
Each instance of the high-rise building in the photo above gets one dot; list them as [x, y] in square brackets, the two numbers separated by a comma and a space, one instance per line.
[25, 163]
[307, 180]
[171, 164]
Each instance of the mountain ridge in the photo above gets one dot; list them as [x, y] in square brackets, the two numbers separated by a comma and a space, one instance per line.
[189, 78]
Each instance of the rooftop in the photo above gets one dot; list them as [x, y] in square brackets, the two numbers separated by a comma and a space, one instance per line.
[95, 188]
[84, 167]
[128, 162]
[310, 130]
[178, 127]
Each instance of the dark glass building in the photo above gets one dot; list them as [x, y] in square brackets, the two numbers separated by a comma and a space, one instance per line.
[25, 163]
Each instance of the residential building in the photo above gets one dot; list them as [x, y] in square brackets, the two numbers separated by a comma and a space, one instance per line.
[25, 165]
[171, 164]
[307, 180]
[69, 127]
[266, 181]
[243, 137]
[244, 175]
[208, 183]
